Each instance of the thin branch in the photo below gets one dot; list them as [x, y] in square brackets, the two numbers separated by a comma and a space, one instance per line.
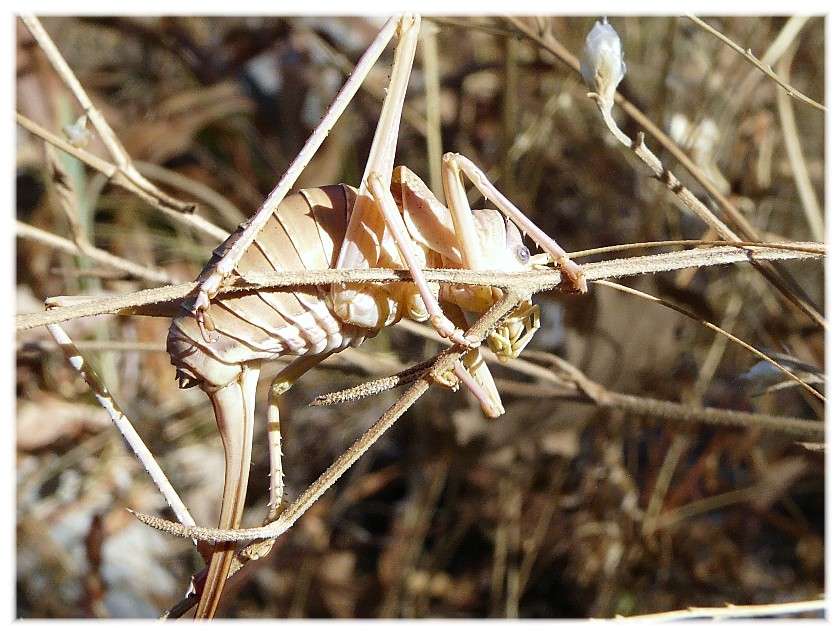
[533, 282]
[798, 428]
[571, 384]
[112, 143]
[117, 177]
[752, 59]
[139, 271]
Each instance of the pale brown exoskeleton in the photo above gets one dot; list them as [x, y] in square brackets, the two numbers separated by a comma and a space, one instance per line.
[391, 221]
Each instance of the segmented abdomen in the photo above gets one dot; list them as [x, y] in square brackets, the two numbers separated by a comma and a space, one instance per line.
[305, 232]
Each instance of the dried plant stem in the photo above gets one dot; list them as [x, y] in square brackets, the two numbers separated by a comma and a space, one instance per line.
[572, 384]
[533, 282]
[776, 276]
[139, 271]
[807, 195]
[416, 522]
[118, 177]
[431, 83]
[638, 147]
[663, 481]
[712, 326]
[763, 67]
[230, 213]
[68, 199]
[787, 35]
[546, 39]
[735, 611]
[124, 425]
[112, 143]
[599, 395]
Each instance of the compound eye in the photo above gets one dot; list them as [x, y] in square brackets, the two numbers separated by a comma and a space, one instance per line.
[523, 254]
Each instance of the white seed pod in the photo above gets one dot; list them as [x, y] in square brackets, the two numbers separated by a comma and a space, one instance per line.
[602, 61]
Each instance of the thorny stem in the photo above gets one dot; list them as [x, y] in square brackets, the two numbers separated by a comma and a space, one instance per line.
[442, 365]
[532, 281]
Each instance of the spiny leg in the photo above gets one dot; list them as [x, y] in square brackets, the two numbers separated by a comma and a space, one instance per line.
[281, 384]
[233, 405]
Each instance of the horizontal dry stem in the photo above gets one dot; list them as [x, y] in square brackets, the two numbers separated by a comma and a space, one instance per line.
[735, 611]
[567, 382]
[530, 282]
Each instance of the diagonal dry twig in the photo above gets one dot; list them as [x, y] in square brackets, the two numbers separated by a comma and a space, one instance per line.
[23, 230]
[75, 359]
[760, 65]
[116, 176]
[441, 367]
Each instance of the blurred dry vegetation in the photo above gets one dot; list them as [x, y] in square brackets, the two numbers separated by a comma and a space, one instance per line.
[557, 509]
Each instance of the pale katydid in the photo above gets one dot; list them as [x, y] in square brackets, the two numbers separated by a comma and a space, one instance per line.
[391, 221]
